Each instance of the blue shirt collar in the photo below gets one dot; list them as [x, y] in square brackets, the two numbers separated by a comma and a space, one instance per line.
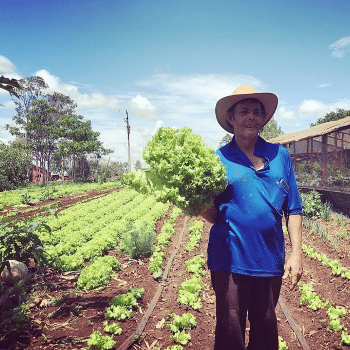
[260, 147]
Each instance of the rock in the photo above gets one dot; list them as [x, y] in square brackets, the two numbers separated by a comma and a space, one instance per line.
[18, 272]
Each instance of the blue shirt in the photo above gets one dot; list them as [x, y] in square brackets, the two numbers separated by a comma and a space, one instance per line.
[247, 236]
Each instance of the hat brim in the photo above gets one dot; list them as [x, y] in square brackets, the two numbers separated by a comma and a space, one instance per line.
[269, 100]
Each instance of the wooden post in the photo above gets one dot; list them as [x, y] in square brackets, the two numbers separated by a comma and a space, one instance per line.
[312, 155]
[324, 150]
[128, 131]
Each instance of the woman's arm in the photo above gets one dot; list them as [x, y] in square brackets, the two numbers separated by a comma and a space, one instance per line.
[294, 263]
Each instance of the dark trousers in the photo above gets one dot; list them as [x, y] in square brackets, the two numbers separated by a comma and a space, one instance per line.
[238, 295]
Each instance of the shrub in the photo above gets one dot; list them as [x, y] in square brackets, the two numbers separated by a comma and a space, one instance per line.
[137, 242]
[312, 205]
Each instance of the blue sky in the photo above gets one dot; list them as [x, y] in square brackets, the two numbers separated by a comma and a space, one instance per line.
[168, 63]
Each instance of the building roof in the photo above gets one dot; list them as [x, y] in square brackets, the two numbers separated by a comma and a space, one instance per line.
[313, 131]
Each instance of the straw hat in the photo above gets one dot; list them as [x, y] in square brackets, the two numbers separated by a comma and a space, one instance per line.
[268, 99]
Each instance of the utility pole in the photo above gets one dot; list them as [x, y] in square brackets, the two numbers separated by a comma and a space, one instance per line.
[128, 130]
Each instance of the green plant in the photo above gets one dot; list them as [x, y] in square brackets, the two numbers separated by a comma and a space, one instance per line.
[113, 328]
[345, 338]
[98, 273]
[312, 205]
[309, 297]
[20, 241]
[26, 198]
[137, 242]
[156, 264]
[99, 342]
[282, 345]
[326, 210]
[180, 324]
[334, 314]
[121, 305]
[189, 292]
[195, 265]
[195, 232]
[182, 169]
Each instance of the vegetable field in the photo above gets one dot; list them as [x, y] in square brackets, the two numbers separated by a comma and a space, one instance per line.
[116, 255]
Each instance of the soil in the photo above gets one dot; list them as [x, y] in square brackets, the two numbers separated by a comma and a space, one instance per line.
[63, 317]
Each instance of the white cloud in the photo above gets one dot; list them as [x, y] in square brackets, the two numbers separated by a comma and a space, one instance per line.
[93, 100]
[286, 115]
[312, 106]
[323, 85]
[142, 102]
[340, 47]
[8, 69]
[9, 104]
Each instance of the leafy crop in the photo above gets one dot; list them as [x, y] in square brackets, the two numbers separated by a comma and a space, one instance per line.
[195, 265]
[312, 205]
[345, 338]
[189, 292]
[334, 314]
[309, 297]
[113, 328]
[156, 264]
[337, 269]
[99, 342]
[121, 305]
[180, 324]
[195, 232]
[98, 272]
[182, 169]
[282, 345]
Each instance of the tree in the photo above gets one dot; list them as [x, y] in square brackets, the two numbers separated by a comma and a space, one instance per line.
[14, 165]
[78, 139]
[271, 129]
[339, 114]
[9, 85]
[225, 140]
[39, 132]
[138, 165]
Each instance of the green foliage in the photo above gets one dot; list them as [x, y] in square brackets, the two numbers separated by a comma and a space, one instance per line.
[156, 264]
[337, 268]
[99, 342]
[14, 166]
[345, 338]
[137, 242]
[282, 345]
[339, 114]
[334, 314]
[195, 265]
[326, 210]
[309, 297]
[121, 305]
[98, 273]
[312, 205]
[195, 232]
[20, 241]
[113, 328]
[182, 169]
[271, 129]
[180, 324]
[174, 347]
[189, 292]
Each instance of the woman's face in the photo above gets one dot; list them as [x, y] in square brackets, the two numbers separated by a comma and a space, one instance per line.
[247, 119]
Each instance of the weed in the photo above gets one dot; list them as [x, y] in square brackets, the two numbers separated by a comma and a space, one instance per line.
[326, 210]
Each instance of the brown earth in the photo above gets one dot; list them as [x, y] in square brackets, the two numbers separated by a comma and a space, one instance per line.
[68, 323]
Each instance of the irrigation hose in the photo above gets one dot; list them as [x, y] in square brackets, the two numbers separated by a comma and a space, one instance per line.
[291, 322]
[140, 328]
